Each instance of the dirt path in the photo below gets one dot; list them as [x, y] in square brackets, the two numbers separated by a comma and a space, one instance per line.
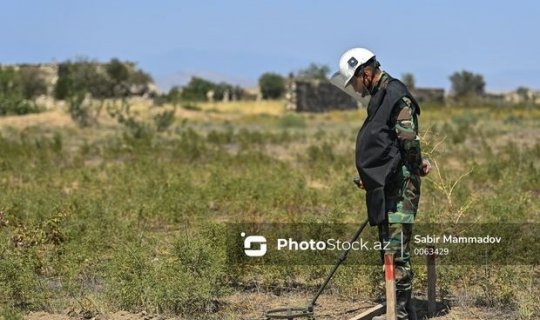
[246, 306]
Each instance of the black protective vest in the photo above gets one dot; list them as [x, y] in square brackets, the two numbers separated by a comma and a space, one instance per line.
[377, 147]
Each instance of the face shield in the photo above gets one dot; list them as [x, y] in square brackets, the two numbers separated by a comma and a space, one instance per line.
[339, 81]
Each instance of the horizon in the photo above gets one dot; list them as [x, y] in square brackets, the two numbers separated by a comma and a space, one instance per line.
[237, 42]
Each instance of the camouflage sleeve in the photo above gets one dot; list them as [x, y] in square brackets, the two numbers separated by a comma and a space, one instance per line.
[406, 128]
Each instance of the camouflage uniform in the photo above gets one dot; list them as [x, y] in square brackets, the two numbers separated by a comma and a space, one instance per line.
[402, 194]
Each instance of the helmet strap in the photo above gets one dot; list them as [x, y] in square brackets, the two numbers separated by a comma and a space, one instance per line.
[374, 64]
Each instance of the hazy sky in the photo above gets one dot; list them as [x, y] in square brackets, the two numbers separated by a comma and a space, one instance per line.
[237, 41]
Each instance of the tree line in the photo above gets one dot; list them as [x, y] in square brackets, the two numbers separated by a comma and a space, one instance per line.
[271, 85]
[115, 79]
[464, 84]
[21, 85]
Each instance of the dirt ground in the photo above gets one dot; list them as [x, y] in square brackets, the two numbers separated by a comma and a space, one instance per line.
[252, 306]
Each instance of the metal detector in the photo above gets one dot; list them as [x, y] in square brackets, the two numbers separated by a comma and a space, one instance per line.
[308, 311]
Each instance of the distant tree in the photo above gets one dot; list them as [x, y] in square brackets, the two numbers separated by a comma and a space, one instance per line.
[81, 77]
[408, 80]
[64, 84]
[140, 77]
[272, 85]
[239, 92]
[116, 79]
[174, 95]
[32, 83]
[466, 84]
[117, 70]
[10, 82]
[220, 89]
[119, 74]
[314, 71]
[196, 89]
[12, 95]
[523, 92]
[90, 78]
[17, 105]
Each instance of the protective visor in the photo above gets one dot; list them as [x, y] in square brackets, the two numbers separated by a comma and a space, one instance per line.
[340, 81]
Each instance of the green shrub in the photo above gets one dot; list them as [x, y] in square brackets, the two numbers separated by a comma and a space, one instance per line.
[323, 153]
[189, 280]
[138, 129]
[20, 285]
[272, 85]
[10, 314]
[191, 106]
[292, 121]
[115, 79]
[164, 120]
[195, 274]
[465, 120]
[129, 278]
[80, 111]
[220, 137]
[135, 235]
[17, 106]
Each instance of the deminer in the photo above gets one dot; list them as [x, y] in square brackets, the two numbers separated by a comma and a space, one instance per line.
[388, 159]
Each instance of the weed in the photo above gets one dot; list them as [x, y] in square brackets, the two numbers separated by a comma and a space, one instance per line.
[10, 314]
[292, 121]
[191, 107]
[124, 216]
[164, 120]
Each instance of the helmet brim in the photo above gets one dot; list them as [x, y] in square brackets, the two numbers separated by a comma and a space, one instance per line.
[344, 83]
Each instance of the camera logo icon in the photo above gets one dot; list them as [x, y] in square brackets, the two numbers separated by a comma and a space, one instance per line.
[250, 242]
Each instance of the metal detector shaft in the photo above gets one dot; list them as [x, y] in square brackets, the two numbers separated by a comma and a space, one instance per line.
[341, 258]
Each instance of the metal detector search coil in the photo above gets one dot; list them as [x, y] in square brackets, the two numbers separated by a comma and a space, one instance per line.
[308, 312]
[290, 313]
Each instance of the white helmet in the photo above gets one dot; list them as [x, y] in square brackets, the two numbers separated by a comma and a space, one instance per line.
[351, 60]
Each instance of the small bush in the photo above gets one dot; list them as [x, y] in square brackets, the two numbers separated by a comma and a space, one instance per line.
[512, 119]
[466, 119]
[188, 281]
[323, 153]
[17, 106]
[217, 137]
[272, 85]
[164, 120]
[191, 106]
[20, 286]
[80, 110]
[195, 274]
[128, 278]
[10, 314]
[292, 121]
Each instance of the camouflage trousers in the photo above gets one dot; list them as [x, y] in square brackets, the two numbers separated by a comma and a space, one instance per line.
[402, 196]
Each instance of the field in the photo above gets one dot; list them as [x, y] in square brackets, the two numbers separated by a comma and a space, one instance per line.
[128, 221]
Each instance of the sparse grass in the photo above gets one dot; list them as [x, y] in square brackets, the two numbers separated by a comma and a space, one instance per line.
[106, 218]
[269, 107]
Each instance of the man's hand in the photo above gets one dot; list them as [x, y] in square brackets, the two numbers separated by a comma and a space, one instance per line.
[358, 182]
[425, 167]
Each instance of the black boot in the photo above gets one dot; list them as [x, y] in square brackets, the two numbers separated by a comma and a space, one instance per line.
[405, 309]
[411, 309]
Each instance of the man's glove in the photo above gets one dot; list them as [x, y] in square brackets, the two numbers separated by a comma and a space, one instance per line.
[424, 168]
[358, 182]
